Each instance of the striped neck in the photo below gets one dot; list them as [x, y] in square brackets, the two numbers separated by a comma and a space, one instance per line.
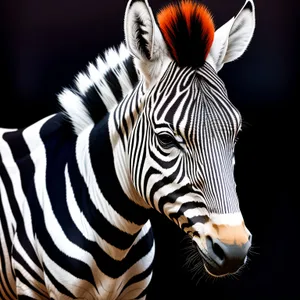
[95, 162]
[121, 123]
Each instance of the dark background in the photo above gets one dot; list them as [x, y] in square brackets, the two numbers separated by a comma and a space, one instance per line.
[45, 43]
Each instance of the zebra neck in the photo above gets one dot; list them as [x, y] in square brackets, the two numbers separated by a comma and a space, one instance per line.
[121, 123]
[96, 164]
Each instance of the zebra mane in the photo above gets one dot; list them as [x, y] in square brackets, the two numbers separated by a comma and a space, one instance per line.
[98, 90]
[188, 30]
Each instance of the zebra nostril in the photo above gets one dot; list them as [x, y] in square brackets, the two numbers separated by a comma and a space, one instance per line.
[218, 251]
[215, 249]
[250, 238]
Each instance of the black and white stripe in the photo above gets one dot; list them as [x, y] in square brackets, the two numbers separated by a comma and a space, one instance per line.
[53, 212]
[184, 141]
[67, 228]
[98, 90]
[77, 186]
[75, 192]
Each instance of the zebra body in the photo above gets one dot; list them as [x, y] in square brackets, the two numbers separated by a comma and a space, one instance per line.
[142, 129]
[54, 211]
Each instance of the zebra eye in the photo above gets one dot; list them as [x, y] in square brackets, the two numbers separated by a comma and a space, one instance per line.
[166, 140]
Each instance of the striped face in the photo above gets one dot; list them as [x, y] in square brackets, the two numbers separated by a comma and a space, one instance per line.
[188, 130]
[182, 156]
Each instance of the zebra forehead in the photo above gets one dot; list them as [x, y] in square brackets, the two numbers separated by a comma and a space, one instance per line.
[188, 30]
[182, 103]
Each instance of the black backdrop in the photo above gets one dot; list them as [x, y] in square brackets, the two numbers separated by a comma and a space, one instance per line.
[45, 43]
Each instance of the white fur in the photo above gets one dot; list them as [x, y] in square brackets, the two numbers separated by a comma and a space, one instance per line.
[233, 219]
[219, 47]
[232, 39]
[112, 58]
[123, 52]
[75, 109]
[83, 83]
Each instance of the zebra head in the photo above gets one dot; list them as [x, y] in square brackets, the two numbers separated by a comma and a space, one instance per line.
[181, 149]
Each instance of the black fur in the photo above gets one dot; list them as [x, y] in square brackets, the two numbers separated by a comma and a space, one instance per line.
[142, 42]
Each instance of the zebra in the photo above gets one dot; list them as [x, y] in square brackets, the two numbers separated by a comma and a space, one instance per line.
[147, 126]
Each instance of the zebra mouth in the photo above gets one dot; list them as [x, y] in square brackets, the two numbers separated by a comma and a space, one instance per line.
[214, 272]
[213, 269]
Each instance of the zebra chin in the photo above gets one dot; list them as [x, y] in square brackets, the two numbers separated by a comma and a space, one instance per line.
[225, 250]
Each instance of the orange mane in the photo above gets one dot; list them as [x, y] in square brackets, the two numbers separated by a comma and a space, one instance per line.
[188, 30]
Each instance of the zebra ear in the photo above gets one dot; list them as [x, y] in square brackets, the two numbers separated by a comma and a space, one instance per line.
[141, 31]
[143, 38]
[232, 39]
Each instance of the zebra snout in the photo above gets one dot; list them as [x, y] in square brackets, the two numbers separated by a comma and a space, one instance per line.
[225, 258]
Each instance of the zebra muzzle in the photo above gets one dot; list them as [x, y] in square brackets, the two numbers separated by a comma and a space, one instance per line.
[225, 258]
[224, 248]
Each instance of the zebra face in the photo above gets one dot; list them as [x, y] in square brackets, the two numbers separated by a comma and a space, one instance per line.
[181, 149]
[187, 134]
